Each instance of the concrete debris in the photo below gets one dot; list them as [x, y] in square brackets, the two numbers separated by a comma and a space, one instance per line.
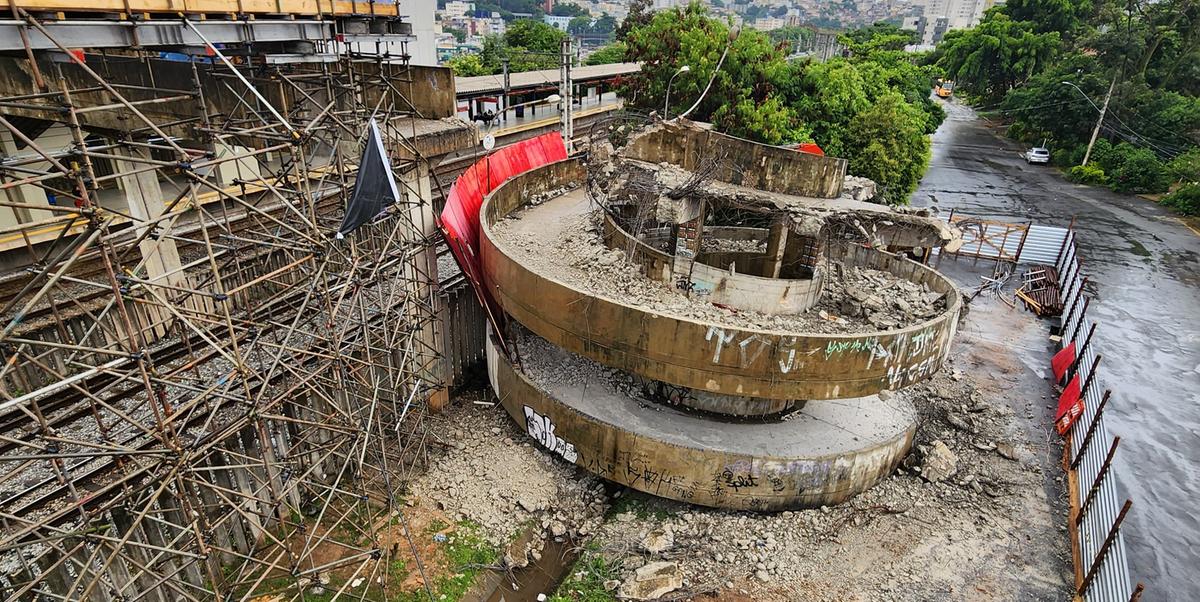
[939, 463]
[652, 581]
[658, 540]
[625, 179]
[712, 244]
[570, 249]
[905, 539]
[499, 483]
[856, 188]
[1006, 450]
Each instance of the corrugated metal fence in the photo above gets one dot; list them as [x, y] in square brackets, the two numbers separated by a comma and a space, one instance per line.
[1097, 511]
[1018, 243]
[1101, 566]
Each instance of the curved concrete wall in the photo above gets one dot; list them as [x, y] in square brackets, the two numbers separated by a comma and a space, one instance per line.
[709, 356]
[772, 296]
[802, 463]
[744, 162]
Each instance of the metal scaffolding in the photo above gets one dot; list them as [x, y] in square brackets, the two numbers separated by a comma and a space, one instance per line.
[205, 396]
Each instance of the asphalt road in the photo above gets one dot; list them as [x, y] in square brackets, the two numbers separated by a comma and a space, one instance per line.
[1144, 269]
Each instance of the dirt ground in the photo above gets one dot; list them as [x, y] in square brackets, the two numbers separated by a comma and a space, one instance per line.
[992, 526]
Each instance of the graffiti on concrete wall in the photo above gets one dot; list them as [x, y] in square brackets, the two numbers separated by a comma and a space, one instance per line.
[541, 428]
[902, 358]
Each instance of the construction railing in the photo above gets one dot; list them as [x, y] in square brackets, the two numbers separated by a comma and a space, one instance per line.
[1097, 510]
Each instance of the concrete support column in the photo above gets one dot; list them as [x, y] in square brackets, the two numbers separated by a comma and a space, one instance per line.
[144, 202]
[29, 194]
[776, 244]
[689, 230]
[429, 309]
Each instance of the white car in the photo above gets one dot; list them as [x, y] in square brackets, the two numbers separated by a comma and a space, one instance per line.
[1037, 154]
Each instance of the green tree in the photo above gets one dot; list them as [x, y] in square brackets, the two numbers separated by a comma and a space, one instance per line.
[1049, 15]
[998, 54]
[640, 14]
[580, 24]
[888, 144]
[605, 24]
[751, 70]
[769, 121]
[873, 108]
[880, 36]
[568, 9]
[1186, 166]
[467, 65]
[533, 35]
[612, 53]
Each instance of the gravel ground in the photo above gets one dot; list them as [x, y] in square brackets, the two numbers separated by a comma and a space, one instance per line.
[491, 474]
[976, 511]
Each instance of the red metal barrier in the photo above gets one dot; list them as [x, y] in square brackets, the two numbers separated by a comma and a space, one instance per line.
[459, 221]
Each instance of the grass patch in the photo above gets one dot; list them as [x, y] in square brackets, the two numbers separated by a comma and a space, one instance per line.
[586, 580]
[467, 553]
[435, 526]
[640, 505]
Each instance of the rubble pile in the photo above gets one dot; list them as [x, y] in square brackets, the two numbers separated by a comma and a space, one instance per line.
[961, 490]
[572, 251]
[712, 244]
[492, 475]
[883, 300]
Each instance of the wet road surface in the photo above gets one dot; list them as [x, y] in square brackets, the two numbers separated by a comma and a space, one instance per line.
[1143, 266]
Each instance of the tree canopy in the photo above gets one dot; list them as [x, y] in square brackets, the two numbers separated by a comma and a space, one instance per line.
[872, 108]
[1017, 60]
[568, 9]
[527, 44]
[612, 53]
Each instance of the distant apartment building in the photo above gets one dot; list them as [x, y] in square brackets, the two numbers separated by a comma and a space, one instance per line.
[944, 15]
[457, 8]
[557, 22]
[769, 23]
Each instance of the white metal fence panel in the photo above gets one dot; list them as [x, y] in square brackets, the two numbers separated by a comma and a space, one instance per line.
[1110, 581]
[1042, 244]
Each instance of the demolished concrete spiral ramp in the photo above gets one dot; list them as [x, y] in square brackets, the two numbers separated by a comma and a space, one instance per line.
[656, 339]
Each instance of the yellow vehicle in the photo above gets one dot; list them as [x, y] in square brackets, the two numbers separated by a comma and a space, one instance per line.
[944, 89]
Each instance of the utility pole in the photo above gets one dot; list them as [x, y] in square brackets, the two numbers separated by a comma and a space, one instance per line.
[568, 99]
[1104, 109]
[504, 93]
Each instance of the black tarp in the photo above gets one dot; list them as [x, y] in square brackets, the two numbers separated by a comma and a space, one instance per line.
[375, 186]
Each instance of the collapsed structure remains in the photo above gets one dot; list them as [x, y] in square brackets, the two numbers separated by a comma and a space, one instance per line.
[209, 396]
[704, 318]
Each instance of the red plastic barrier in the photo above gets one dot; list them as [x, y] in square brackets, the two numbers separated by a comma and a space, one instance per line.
[810, 148]
[459, 221]
[1062, 360]
[1070, 406]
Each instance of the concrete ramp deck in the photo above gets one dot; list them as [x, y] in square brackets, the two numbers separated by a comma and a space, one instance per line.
[821, 454]
[548, 275]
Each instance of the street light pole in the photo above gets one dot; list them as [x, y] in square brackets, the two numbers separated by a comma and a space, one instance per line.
[566, 92]
[1104, 109]
[667, 100]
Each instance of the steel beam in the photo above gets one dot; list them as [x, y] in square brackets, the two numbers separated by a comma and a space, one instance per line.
[150, 34]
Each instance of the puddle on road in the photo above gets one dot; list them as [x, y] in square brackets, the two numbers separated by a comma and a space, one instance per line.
[1139, 249]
